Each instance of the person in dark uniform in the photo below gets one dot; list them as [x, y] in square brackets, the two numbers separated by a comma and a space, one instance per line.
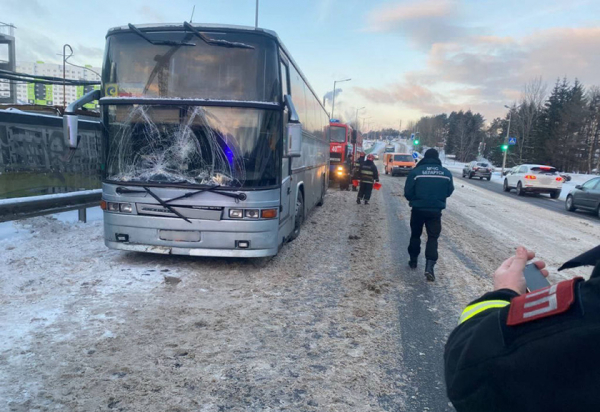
[527, 352]
[368, 174]
[427, 187]
[358, 162]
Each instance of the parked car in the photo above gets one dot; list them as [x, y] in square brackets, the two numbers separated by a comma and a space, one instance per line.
[398, 163]
[482, 170]
[534, 179]
[585, 197]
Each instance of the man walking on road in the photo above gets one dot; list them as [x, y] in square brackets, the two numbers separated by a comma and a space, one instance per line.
[427, 187]
[368, 174]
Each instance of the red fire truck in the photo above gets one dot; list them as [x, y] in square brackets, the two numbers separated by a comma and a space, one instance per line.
[344, 145]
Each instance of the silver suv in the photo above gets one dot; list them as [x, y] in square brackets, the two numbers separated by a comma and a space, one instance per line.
[481, 170]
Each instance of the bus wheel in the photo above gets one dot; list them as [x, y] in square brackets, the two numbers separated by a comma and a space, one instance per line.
[299, 217]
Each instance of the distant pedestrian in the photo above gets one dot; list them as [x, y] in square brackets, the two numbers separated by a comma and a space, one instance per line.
[427, 187]
[368, 174]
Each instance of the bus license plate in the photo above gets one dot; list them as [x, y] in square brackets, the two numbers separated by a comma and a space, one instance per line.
[179, 235]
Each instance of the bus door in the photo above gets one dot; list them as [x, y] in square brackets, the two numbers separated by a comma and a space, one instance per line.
[286, 179]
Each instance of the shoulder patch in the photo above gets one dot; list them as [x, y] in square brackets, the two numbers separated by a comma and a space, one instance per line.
[549, 301]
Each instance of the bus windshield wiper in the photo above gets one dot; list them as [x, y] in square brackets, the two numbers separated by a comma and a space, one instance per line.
[165, 205]
[236, 196]
[213, 42]
[157, 42]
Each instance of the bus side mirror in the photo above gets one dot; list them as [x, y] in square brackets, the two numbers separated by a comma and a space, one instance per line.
[294, 130]
[70, 119]
[294, 140]
[354, 136]
[70, 129]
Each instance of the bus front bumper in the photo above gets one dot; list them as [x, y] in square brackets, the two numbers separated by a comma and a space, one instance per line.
[216, 238]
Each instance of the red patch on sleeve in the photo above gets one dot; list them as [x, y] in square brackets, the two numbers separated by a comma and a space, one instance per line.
[549, 301]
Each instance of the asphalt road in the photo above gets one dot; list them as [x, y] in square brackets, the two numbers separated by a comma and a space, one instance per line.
[541, 200]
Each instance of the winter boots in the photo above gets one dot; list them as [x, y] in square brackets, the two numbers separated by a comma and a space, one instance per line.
[429, 274]
[412, 263]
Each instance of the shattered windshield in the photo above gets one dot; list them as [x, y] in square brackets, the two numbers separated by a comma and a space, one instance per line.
[136, 68]
[193, 145]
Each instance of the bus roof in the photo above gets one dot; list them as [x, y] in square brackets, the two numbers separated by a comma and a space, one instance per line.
[217, 27]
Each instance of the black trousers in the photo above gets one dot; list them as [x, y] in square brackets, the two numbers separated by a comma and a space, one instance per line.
[432, 220]
[365, 191]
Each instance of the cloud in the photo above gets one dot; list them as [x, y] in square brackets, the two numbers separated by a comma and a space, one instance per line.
[423, 22]
[408, 95]
[486, 72]
[329, 95]
[32, 45]
[152, 15]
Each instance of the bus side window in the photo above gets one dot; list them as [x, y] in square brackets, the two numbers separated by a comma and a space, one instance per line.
[285, 87]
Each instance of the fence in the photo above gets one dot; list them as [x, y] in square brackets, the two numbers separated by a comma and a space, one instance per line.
[21, 208]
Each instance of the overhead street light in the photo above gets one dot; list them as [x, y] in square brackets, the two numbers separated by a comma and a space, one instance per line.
[356, 117]
[333, 98]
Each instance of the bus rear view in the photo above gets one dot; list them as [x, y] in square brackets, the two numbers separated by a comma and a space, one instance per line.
[198, 146]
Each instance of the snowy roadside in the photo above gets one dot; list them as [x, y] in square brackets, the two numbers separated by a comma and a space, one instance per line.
[86, 328]
[488, 226]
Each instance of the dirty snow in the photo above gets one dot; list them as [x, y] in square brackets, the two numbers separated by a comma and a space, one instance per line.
[316, 329]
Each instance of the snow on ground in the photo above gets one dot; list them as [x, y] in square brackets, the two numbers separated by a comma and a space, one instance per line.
[85, 328]
[497, 224]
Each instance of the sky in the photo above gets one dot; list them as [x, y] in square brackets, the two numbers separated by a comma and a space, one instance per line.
[406, 58]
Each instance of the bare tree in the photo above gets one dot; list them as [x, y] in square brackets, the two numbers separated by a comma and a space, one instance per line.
[533, 96]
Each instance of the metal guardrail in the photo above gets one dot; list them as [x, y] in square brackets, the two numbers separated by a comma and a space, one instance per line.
[24, 207]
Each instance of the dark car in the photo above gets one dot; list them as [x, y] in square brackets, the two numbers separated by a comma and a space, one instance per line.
[585, 197]
[481, 170]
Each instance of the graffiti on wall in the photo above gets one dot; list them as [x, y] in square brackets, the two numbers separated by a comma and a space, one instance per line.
[34, 159]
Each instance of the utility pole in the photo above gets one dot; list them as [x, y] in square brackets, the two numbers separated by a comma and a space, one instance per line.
[256, 16]
[333, 98]
[505, 146]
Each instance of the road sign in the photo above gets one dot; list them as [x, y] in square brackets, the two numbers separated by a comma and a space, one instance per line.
[412, 136]
[415, 155]
[512, 141]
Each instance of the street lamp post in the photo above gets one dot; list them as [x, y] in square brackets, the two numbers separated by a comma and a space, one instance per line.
[333, 98]
[506, 140]
[65, 57]
[356, 117]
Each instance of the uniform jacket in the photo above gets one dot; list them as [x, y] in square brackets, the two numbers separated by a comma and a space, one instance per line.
[368, 172]
[357, 165]
[428, 185]
[548, 364]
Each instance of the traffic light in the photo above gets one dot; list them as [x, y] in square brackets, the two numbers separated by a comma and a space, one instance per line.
[416, 142]
[504, 147]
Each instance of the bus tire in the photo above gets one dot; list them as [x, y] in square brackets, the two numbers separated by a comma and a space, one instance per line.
[298, 217]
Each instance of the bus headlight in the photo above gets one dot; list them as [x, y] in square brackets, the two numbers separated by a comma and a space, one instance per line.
[112, 207]
[340, 168]
[125, 208]
[236, 213]
[252, 213]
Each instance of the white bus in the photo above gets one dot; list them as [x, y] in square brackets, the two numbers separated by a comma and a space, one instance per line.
[214, 142]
